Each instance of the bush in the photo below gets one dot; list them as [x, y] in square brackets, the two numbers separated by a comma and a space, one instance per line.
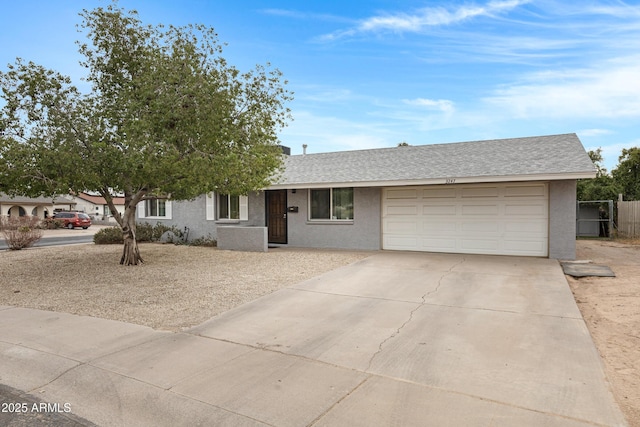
[204, 241]
[145, 232]
[108, 236]
[20, 232]
[51, 224]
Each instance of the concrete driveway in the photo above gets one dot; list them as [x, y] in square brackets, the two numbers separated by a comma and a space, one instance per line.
[394, 339]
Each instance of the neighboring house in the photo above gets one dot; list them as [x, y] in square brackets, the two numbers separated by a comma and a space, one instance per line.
[504, 197]
[96, 205]
[41, 207]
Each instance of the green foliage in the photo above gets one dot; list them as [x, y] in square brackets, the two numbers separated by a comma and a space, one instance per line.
[204, 241]
[51, 224]
[20, 232]
[602, 187]
[166, 115]
[145, 232]
[627, 173]
[108, 235]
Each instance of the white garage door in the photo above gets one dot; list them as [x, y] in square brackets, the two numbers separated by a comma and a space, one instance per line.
[501, 219]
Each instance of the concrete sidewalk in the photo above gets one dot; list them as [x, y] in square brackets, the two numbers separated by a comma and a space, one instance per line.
[395, 339]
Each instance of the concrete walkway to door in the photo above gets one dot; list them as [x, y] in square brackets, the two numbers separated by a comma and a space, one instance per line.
[395, 339]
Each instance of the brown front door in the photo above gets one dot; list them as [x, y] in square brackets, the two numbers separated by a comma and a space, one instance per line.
[277, 215]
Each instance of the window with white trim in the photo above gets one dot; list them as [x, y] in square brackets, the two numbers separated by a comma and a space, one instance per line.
[155, 208]
[224, 207]
[331, 204]
[228, 207]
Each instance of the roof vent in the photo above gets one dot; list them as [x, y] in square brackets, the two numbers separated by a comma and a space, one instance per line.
[304, 149]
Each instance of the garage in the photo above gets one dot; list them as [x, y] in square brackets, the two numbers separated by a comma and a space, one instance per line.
[498, 218]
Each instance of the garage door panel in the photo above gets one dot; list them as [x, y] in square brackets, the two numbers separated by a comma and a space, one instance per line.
[443, 210]
[402, 210]
[479, 192]
[479, 210]
[537, 227]
[401, 227]
[439, 193]
[438, 244]
[531, 209]
[538, 190]
[525, 247]
[438, 228]
[506, 219]
[402, 194]
[480, 227]
[406, 243]
[490, 245]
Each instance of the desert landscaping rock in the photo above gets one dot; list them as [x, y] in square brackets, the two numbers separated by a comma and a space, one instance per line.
[177, 287]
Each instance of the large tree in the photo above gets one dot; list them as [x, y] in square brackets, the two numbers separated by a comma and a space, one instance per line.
[627, 173]
[166, 117]
[602, 187]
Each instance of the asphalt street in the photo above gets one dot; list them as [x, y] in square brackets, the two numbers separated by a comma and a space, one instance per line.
[62, 237]
[23, 410]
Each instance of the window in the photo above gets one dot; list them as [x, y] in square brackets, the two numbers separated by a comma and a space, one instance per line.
[155, 208]
[228, 207]
[223, 207]
[331, 204]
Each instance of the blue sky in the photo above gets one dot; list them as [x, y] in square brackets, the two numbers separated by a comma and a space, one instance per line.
[369, 74]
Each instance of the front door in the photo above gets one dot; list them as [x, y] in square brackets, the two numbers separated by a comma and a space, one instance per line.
[277, 215]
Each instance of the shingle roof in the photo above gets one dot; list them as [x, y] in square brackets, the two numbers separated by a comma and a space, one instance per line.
[541, 157]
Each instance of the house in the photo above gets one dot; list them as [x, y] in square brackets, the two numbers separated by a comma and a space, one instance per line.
[41, 207]
[504, 197]
[96, 205]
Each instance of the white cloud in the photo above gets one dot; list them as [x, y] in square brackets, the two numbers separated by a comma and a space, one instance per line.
[443, 105]
[609, 90]
[594, 132]
[327, 133]
[425, 18]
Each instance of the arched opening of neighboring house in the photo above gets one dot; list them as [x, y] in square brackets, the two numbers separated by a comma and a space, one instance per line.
[34, 211]
[17, 211]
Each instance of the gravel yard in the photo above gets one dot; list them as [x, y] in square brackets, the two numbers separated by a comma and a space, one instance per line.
[177, 286]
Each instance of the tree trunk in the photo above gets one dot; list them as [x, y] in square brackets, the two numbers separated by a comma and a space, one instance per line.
[131, 252]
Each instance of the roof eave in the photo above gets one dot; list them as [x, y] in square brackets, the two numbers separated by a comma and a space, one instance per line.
[437, 181]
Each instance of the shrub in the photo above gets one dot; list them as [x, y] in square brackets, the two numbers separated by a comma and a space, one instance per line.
[145, 232]
[108, 236]
[51, 223]
[204, 241]
[20, 232]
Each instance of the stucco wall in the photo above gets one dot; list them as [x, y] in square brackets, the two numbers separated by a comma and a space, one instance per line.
[364, 232]
[562, 219]
[193, 214]
[361, 233]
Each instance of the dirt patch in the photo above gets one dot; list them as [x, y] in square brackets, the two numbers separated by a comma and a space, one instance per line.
[177, 287]
[611, 309]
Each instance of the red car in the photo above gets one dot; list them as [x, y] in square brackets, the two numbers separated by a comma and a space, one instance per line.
[74, 219]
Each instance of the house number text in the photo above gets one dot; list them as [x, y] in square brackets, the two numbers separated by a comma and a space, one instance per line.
[450, 181]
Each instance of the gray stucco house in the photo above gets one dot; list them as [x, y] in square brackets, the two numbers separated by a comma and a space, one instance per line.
[505, 197]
